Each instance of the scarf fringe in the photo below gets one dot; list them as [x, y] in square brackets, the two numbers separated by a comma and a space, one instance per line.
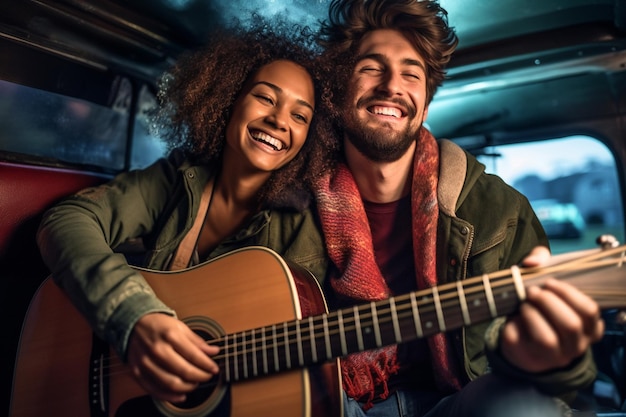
[361, 380]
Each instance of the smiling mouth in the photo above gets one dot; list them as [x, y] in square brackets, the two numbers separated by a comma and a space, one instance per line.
[386, 111]
[268, 140]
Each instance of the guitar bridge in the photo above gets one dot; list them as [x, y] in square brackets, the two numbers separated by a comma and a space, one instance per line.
[98, 378]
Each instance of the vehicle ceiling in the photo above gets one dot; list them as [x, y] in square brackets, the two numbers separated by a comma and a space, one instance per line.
[504, 44]
[476, 21]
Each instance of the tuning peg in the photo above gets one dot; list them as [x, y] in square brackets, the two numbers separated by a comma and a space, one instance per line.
[607, 241]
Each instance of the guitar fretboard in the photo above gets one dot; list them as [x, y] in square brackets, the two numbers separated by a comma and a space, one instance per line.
[316, 339]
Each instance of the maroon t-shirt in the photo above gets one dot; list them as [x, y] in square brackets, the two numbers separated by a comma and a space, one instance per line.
[390, 224]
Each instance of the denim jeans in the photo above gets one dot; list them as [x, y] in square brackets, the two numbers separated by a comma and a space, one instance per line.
[400, 403]
[488, 396]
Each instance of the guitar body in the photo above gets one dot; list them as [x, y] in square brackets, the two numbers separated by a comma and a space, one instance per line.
[269, 319]
[249, 288]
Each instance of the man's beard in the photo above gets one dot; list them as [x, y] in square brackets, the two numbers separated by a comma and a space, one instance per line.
[380, 144]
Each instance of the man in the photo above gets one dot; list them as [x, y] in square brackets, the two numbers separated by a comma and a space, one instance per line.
[415, 213]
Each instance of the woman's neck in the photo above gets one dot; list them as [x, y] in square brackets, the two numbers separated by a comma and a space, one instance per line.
[232, 203]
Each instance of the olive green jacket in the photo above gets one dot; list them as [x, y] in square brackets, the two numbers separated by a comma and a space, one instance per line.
[486, 226]
[158, 205]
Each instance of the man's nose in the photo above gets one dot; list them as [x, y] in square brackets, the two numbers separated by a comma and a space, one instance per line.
[391, 83]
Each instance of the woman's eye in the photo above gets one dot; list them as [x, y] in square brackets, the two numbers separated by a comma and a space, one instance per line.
[267, 99]
[301, 117]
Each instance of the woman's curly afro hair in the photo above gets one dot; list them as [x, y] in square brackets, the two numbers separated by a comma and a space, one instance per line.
[196, 99]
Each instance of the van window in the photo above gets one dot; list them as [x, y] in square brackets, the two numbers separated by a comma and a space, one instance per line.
[146, 148]
[572, 183]
[44, 124]
[64, 130]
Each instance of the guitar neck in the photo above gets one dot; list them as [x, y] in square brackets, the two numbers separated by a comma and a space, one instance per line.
[320, 338]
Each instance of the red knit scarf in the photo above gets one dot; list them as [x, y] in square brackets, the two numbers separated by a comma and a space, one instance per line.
[350, 248]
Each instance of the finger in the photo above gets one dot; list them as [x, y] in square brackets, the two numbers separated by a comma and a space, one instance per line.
[198, 352]
[535, 326]
[202, 344]
[586, 308]
[565, 321]
[538, 256]
[159, 382]
[185, 354]
[520, 349]
[174, 360]
[512, 332]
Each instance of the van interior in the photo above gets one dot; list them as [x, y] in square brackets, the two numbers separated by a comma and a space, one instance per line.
[536, 90]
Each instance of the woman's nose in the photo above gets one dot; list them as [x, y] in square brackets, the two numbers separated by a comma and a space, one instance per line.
[277, 118]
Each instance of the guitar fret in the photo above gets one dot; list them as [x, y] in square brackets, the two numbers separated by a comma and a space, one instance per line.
[329, 351]
[264, 351]
[359, 330]
[505, 295]
[287, 350]
[478, 303]
[244, 354]
[464, 310]
[489, 296]
[235, 358]
[519, 284]
[313, 341]
[379, 342]
[275, 339]
[437, 302]
[255, 369]
[299, 344]
[394, 318]
[342, 335]
[429, 315]
[227, 358]
[416, 316]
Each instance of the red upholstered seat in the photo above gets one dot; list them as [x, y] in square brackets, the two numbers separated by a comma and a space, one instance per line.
[27, 190]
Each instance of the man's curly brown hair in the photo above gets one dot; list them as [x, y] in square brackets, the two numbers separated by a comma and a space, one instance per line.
[197, 96]
[424, 23]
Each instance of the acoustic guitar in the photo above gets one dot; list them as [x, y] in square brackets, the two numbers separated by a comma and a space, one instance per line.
[279, 346]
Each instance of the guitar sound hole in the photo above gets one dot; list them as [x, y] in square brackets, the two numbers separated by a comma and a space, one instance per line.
[204, 391]
[197, 397]
[210, 398]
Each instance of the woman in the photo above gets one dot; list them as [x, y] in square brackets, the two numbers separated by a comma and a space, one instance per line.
[236, 116]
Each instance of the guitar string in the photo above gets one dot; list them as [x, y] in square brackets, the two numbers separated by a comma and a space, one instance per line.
[474, 284]
[249, 350]
[449, 298]
[472, 289]
[426, 304]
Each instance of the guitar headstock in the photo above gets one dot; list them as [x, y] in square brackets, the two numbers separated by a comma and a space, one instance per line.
[599, 273]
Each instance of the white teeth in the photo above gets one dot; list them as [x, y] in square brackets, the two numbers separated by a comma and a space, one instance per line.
[387, 111]
[265, 138]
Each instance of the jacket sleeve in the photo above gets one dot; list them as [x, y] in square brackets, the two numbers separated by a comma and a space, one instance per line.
[76, 238]
[563, 382]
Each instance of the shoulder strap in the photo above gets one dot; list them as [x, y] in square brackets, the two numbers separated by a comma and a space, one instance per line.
[184, 252]
[452, 172]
